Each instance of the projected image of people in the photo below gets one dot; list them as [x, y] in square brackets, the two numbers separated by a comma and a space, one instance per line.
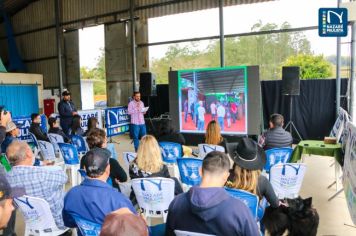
[213, 94]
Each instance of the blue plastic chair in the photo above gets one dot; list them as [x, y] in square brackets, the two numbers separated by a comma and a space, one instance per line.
[79, 142]
[170, 151]
[189, 170]
[87, 228]
[251, 200]
[69, 153]
[277, 156]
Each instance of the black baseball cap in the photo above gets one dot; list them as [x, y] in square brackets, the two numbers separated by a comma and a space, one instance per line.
[96, 161]
[65, 93]
[6, 192]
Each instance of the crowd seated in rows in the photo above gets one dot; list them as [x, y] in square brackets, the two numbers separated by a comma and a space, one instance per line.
[208, 208]
[97, 139]
[42, 182]
[213, 135]
[148, 163]
[55, 129]
[249, 160]
[275, 136]
[35, 128]
[94, 199]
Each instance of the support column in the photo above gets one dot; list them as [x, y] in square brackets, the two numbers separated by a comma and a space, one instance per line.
[118, 62]
[72, 63]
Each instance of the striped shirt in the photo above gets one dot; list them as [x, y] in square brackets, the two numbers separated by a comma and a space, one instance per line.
[42, 182]
[135, 110]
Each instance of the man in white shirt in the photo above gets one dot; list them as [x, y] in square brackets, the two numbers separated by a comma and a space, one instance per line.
[221, 115]
[213, 110]
[201, 116]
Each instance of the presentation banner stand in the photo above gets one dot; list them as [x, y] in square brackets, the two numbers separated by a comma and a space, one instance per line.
[117, 121]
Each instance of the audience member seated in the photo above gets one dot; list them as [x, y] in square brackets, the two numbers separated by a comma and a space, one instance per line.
[75, 128]
[7, 194]
[148, 163]
[55, 129]
[36, 129]
[92, 124]
[249, 160]
[12, 132]
[208, 208]
[38, 181]
[94, 199]
[123, 223]
[213, 135]
[275, 136]
[97, 139]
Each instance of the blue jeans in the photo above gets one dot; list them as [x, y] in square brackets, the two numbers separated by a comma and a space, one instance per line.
[200, 124]
[221, 122]
[138, 131]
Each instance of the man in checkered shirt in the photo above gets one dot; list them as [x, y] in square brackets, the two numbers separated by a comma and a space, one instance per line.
[42, 182]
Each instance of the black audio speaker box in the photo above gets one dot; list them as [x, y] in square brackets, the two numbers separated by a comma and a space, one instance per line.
[148, 84]
[290, 80]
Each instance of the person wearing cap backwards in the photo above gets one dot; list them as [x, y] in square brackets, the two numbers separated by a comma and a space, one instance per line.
[249, 159]
[7, 194]
[12, 132]
[93, 199]
[66, 111]
[208, 208]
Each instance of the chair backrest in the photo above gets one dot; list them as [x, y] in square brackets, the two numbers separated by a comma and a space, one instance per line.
[111, 148]
[79, 143]
[277, 156]
[189, 170]
[55, 139]
[87, 228]
[47, 150]
[5, 162]
[187, 233]
[170, 151]
[251, 200]
[128, 157]
[69, 153]
[204, 149]
[34, 139]
[37, 213]
[154, 195]
[287, 179]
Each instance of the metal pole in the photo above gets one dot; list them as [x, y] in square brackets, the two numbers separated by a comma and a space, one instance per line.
[353, 73]
[58, 42]
[338, 66]
[221, 26]
[133, 45]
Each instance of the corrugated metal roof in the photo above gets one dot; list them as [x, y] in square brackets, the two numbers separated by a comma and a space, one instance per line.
[13, 6]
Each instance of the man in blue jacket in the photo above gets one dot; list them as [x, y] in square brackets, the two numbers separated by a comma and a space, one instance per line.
[208, 208]
[67, 110]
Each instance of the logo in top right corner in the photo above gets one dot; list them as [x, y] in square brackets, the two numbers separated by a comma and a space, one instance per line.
[332, 22]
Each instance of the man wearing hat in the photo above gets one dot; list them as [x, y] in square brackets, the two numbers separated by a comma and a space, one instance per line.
[93, 199]
[66, 111]
[7, 194]
[12, 132]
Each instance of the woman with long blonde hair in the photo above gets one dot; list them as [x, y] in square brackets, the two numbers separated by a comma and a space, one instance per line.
[149, 163]
[213, 135]
[249, 159]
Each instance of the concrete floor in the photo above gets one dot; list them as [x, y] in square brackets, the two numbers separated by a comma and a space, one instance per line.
[334, 215]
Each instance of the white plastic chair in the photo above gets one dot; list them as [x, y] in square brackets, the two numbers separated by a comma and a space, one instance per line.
[287, 179]
[55, 139]
[154, 196]
[187, 233]
[36, 150]
[46, 150]
[38, 216]
[128, 158]
[204, 149]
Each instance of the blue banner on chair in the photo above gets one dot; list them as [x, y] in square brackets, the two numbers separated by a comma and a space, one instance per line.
[170, 151]
[277, 156]
[69, 153]
[251, 200]
[79, 143]
[189, 170]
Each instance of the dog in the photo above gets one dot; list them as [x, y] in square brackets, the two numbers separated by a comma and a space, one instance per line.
[296, 217]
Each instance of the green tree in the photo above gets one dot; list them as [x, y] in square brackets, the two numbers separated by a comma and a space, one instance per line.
[311, 67]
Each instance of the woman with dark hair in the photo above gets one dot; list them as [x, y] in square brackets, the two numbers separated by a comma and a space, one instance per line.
[92, 123]
[97, 139]
[166, 133]
[54, 129]
[75, 129]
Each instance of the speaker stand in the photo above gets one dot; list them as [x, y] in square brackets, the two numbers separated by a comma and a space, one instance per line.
[291, 124]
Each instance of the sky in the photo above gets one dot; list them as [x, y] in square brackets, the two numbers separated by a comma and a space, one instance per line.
[237, 19]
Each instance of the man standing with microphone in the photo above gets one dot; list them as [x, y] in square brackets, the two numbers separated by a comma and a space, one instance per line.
[136, 109]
